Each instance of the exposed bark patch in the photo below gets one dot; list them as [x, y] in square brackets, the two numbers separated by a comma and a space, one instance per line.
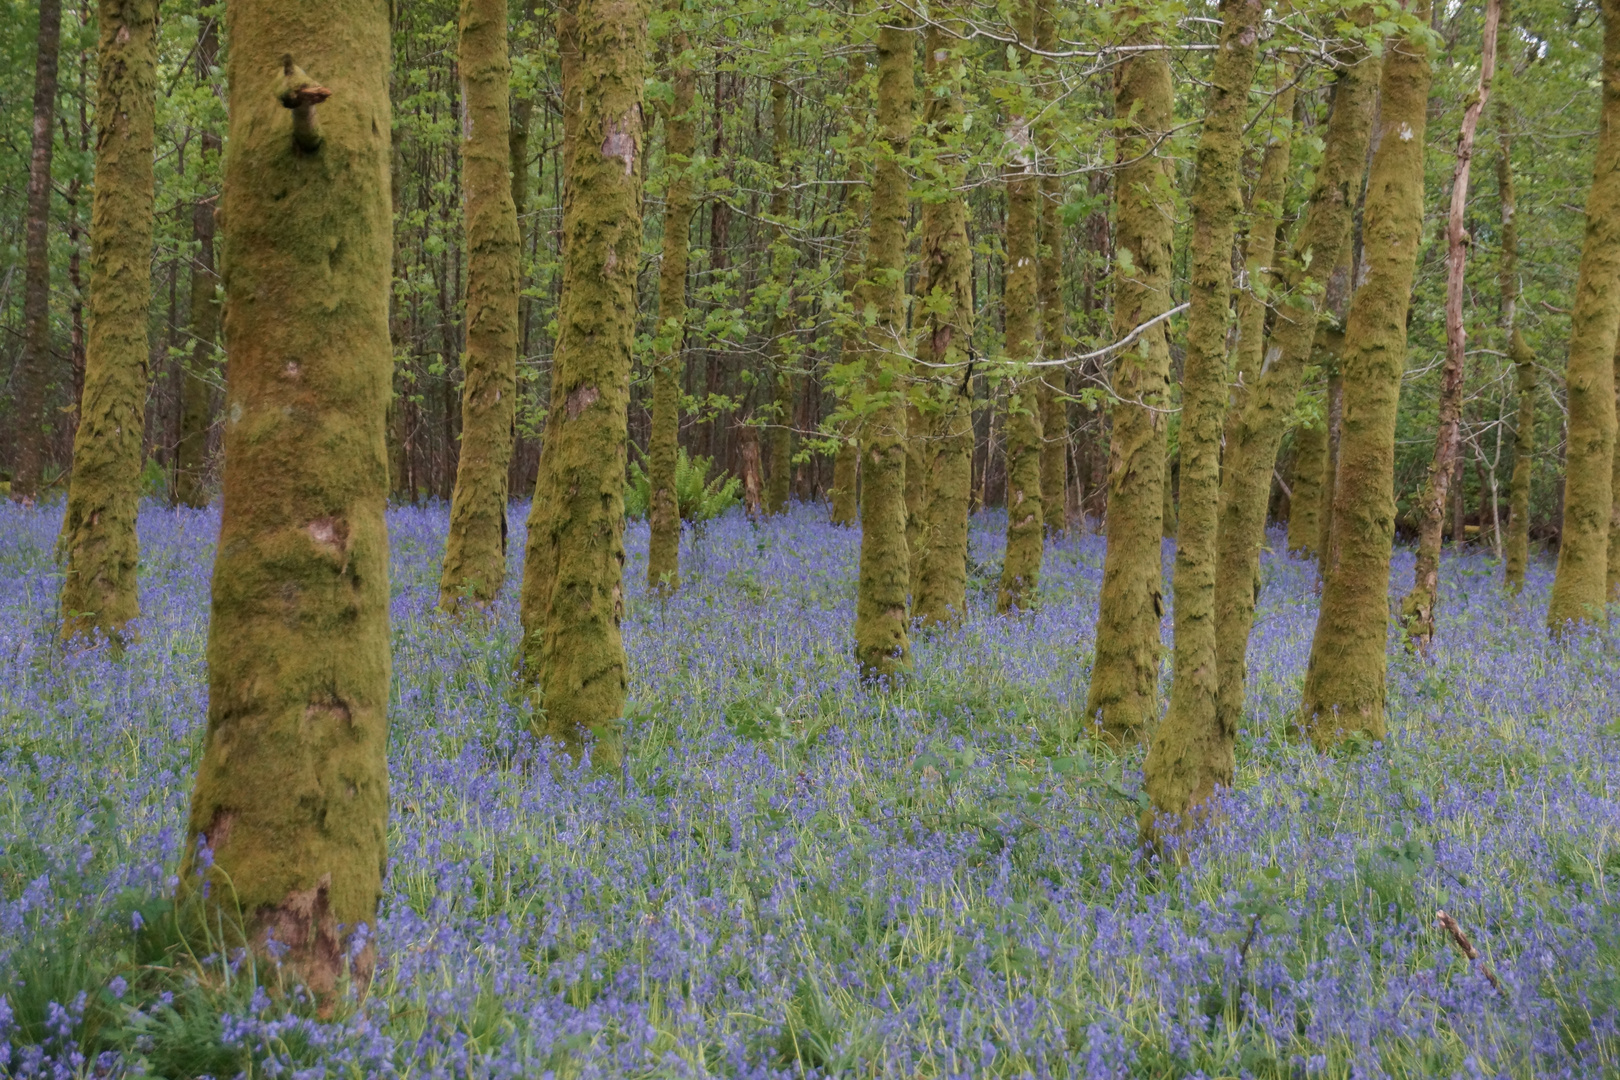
[330, 708]
[218, 833]
[292, 372]
[580, 399]
[307, 937]
[330, 532]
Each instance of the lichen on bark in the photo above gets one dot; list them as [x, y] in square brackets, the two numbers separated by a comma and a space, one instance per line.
[1344, 682]
[292, 793]
[1123, 696]
[572, 600]
[98, 533]
[475, 550]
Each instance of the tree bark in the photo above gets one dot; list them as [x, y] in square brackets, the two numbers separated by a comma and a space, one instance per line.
[847, 460]
[1344, 683]
[1580, 588]
[292, 794]
[779, 435]
[33, 367]
[1305, 484]
[1020, 300]
[573, 598]
[680, 139]
[475, 550]
[1053, 406]
[945, 314]
[98, 533]
[1418, 606]
[196, 388]
[1192, 755]
[1123, 696]
[1255, 426]
[882, 647]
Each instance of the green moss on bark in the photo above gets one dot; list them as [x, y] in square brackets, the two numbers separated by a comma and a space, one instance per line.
[1123, 696]
[475, 551]
[1305, 484]
[945, 318]
[1344, 682]
[1053, 407]
[201, 372]
[1192, 754]
[882, 646]
[573, 599]
[292, 792]
[1257, 421]
[1580, 588]
[845, 490]
[98, 533]
[680, 138]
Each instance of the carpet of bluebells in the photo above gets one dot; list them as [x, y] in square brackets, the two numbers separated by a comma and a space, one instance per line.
[800, 875]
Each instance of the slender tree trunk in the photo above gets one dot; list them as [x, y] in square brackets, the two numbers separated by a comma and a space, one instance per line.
[573, 599]
[847, 461]
[882, 648]
[1325, 557]
[1524, 366]
[680, 139]
[196, 388]
[1123, 695]
[1581, 587]
[1192, 755]
[1418, 607]
[98, 533]
[475, 550]
[1344, 684]
[1053, 407]
[33, 366]
[292, 793]
[1256, 424]
[780, 433]
[945, 311]
[1020, 299]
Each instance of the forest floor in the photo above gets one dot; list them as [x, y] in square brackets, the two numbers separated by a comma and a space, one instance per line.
[797, 874]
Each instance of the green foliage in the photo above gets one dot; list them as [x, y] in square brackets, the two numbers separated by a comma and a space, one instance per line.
[698, 497]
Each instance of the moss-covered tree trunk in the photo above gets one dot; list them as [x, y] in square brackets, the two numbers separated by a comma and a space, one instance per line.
[197, 391]
[882, 647]
[1418, 606]
[1581, 586]
[1192, 754]
[1344, 683]
[573, 598]
[98, 534]
[1305, 484]
[1517, 548]
[1123, 695]
[779, 436]
[292, 793]
[1020, 301]
[680, 139]
[1256, 424]
[475, 551]
[1053, 406]
[945, 316]
[33, 373]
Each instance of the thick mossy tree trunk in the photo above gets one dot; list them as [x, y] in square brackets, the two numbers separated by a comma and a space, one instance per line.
[98, 534]
[475, 551]
[1581, 587]
[197, 391]
[1256, 424]
[1020, 301]
[882, 647]
[1344, 682]
[1053, 406]
[1305, 486]
[292, 793]
[779, 436]
[1418, 606]
[33, 374]
[1123, 696]
[573, 597]
[945, 317]
[1524, 367]
[1192, 754]
[669, 344]
[845, 490]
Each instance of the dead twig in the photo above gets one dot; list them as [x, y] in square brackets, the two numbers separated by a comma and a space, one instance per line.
[1450, 926]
